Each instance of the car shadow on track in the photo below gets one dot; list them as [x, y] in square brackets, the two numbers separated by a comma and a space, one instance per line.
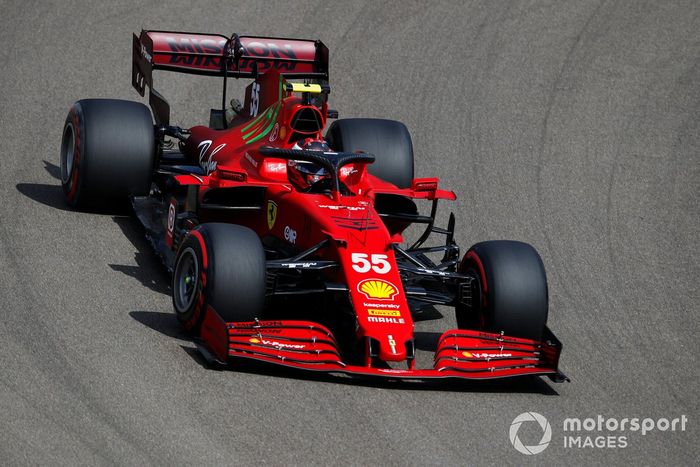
[148, 269]
[52, 169]
[52, 196]
[164, 323]
[44, 193]
[48, 195]
[427, 341]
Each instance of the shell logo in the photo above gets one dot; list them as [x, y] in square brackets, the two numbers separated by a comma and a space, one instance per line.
[253, 340]
[377, 289]
[467, 354]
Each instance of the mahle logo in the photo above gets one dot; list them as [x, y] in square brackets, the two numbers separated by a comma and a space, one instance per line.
[543, 425]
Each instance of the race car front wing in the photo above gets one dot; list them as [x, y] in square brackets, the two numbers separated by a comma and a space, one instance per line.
[307, 345]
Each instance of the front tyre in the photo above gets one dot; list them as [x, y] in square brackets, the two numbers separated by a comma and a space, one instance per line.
[107, 152]
[512, 290]
[221, 266]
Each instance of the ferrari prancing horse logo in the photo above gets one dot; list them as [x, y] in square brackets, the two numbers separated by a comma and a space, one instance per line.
[271, 214]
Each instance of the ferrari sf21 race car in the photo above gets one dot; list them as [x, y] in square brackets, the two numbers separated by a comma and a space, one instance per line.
[285, 244]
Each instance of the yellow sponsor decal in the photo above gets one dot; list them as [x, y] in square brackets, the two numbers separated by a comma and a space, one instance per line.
[253, 340]
[467, 354]
[271, 214]
[374, 312]
[378, 289]
[312, 88]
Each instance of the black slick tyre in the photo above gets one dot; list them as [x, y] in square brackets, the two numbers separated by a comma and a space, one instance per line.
[107, 152]
[221, 266]
[512, 290]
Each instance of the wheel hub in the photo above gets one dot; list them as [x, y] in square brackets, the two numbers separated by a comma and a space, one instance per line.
[67, 153]
[185, 280]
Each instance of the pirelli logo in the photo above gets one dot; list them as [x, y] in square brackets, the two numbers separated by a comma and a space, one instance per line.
[375, 312]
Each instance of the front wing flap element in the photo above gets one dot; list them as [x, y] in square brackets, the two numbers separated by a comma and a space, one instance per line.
[461, 354]
[296, 343]
[485, 355]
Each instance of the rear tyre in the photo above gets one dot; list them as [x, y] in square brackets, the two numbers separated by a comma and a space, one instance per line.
[221, 266]
[388, 140]
[107, 152]
[511, 292]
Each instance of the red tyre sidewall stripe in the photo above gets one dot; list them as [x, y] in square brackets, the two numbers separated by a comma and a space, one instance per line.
[203, 280]
[202, 246]
[482, 273]
[75, 121]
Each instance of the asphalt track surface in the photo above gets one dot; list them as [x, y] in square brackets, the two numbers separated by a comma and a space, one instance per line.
[569, 125]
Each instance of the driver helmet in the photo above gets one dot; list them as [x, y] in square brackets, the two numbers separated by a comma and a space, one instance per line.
[303, 174]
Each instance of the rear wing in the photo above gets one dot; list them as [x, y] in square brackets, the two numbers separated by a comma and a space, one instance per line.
[218, 55]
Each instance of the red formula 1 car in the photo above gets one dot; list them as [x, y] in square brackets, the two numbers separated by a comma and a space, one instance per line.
[285, 244]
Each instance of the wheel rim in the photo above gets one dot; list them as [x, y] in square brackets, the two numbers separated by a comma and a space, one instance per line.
[185, 280]
[67, 153]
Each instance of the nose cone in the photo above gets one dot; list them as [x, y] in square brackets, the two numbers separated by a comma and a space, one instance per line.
[391, 350]
[374, 282]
